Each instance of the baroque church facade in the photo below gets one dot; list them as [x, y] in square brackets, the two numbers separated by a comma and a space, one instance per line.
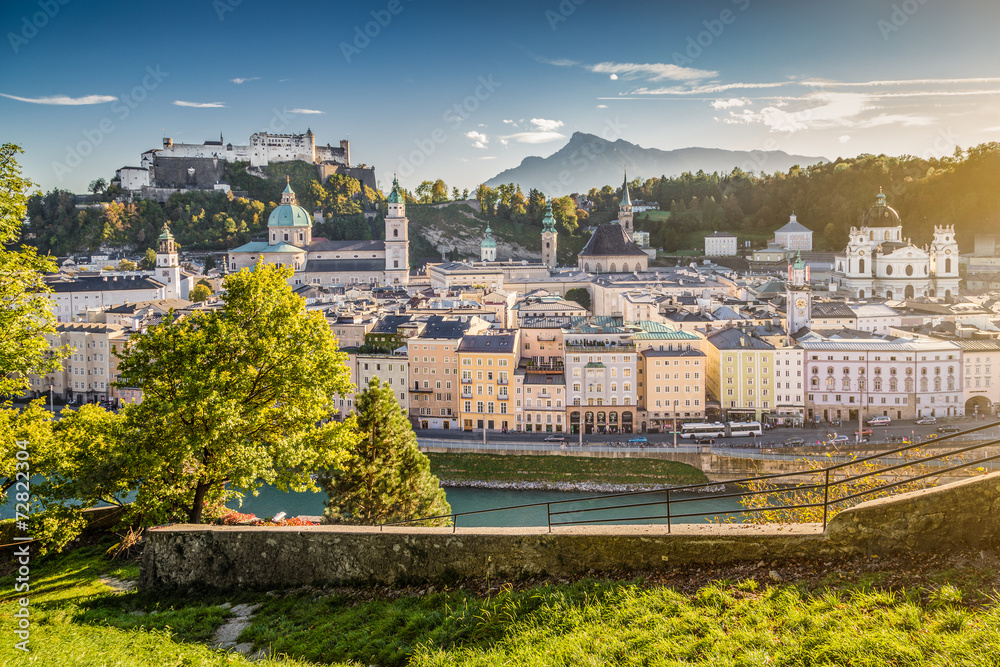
[318, 261]
[880, 262]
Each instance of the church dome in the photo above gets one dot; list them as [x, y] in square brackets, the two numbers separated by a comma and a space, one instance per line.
[289, 213]
[880, 215]
[488, 241]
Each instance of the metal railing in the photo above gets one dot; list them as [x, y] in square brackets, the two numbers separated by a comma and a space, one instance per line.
[828, 475]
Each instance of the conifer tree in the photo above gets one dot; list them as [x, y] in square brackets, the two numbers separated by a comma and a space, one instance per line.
[384, 477]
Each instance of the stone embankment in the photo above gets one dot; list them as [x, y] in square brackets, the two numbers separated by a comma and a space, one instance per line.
[588, 487]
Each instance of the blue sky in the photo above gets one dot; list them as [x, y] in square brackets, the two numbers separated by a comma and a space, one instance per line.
[463, 90]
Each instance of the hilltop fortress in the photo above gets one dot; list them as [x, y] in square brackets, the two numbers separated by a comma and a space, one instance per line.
[176, 167]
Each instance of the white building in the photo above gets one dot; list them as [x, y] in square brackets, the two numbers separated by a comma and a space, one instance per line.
[71, 299]
[875, 317]
[852, 374]
[794, 235]
[720, 244]
[880, 262]
[263, 149]
[789, 384]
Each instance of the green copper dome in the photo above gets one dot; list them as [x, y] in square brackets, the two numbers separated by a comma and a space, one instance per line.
[548, 222]
[289, 213]
[489, 241]
[396, 195]
[165, 235]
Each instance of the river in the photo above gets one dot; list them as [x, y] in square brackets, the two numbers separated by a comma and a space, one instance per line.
[271, 500]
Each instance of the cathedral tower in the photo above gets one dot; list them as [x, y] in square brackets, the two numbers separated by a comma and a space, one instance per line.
[397, 244]
[488, 248]
[168, 268]
[798, 297]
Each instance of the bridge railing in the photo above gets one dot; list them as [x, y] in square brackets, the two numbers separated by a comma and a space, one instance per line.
[835, 484]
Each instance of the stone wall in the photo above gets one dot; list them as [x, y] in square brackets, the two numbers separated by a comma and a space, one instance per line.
[959, 515]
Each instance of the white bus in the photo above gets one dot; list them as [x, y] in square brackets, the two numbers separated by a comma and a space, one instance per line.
[744, 429]
[711, 430]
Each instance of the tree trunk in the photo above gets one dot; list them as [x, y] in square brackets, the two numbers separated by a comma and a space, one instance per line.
[194, 516]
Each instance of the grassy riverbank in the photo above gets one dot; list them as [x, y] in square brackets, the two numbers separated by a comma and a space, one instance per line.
[566, 469]
[906, 611]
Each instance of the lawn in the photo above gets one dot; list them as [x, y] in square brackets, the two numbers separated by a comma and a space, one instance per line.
[905, 611]
[595, 470]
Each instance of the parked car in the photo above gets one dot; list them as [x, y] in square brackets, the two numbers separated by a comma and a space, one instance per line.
[794, 442]
[555, 438]
[839, 440]
[638, 440]
[948, 428]
[879, 420]
[704, 440]
[926, 421]
[865, 431]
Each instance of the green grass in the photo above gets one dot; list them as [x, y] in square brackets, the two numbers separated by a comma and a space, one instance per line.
[876, 617]
[597, 470]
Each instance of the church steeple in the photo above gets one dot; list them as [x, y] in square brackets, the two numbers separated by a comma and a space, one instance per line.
[549, 237]
[625, 209]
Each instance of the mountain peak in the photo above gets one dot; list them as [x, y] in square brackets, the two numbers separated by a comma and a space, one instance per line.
[589, 161]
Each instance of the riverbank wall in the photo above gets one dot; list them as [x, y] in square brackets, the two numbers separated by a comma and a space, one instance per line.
[956, 516]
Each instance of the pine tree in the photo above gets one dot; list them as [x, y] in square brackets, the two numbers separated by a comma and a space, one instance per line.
[384, 477]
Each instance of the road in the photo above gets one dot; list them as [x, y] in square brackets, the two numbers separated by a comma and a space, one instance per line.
[896, 430]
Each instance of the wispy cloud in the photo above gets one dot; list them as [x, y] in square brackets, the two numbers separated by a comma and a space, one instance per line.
[488, 157]
[825, 110]
[241, 80]
[602, 106]
[305, 111]
[545, 125]
[200, 105]
[730, 103]
[64, 100]
[534, 137]
[479, 140]
[652, 71]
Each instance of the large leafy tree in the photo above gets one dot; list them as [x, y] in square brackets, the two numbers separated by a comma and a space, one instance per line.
[233, 398]
[384, 477]
[26, 315]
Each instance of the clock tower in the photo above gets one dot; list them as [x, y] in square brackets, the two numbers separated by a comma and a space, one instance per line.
[798, 309]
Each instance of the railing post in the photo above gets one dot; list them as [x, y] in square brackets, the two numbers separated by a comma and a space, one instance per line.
[454, 523]
[668, 511]
[548, 515]
[826, 497]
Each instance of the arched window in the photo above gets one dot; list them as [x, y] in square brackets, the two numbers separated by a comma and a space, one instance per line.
[937, 384]
[951, 383]
[598, 267]
[395, 233]
[625, 268]
[861, 294]
[887, 235]
[829, 370]
[909, 385]
[877, 384]
[586, 267]
[947, 265]
[831, 384]
[612, 268]
[893, 384]
[815, 383]
[923, 385]
[846, 370]
[861, 266]
[846, 384]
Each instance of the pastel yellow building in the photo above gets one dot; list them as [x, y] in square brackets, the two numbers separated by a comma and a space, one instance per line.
[487, 363]
[740, 370]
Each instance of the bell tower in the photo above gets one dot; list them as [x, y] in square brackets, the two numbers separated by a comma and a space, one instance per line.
[625, 209]
[550, 238]
[397, 244]
[798, 297]
[168, 269]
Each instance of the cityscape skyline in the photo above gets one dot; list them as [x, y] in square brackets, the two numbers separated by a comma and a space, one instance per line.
[463, 92]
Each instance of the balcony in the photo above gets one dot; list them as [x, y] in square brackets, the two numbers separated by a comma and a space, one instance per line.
[469, 395]
[545, 367]
[466, 380]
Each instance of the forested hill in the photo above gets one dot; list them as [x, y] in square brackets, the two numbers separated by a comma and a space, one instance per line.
[199, 219]
[829, 198]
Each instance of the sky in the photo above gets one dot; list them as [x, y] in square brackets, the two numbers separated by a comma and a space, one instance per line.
[463, 90]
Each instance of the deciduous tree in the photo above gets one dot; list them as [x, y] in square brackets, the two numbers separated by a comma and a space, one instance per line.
[234, 398]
